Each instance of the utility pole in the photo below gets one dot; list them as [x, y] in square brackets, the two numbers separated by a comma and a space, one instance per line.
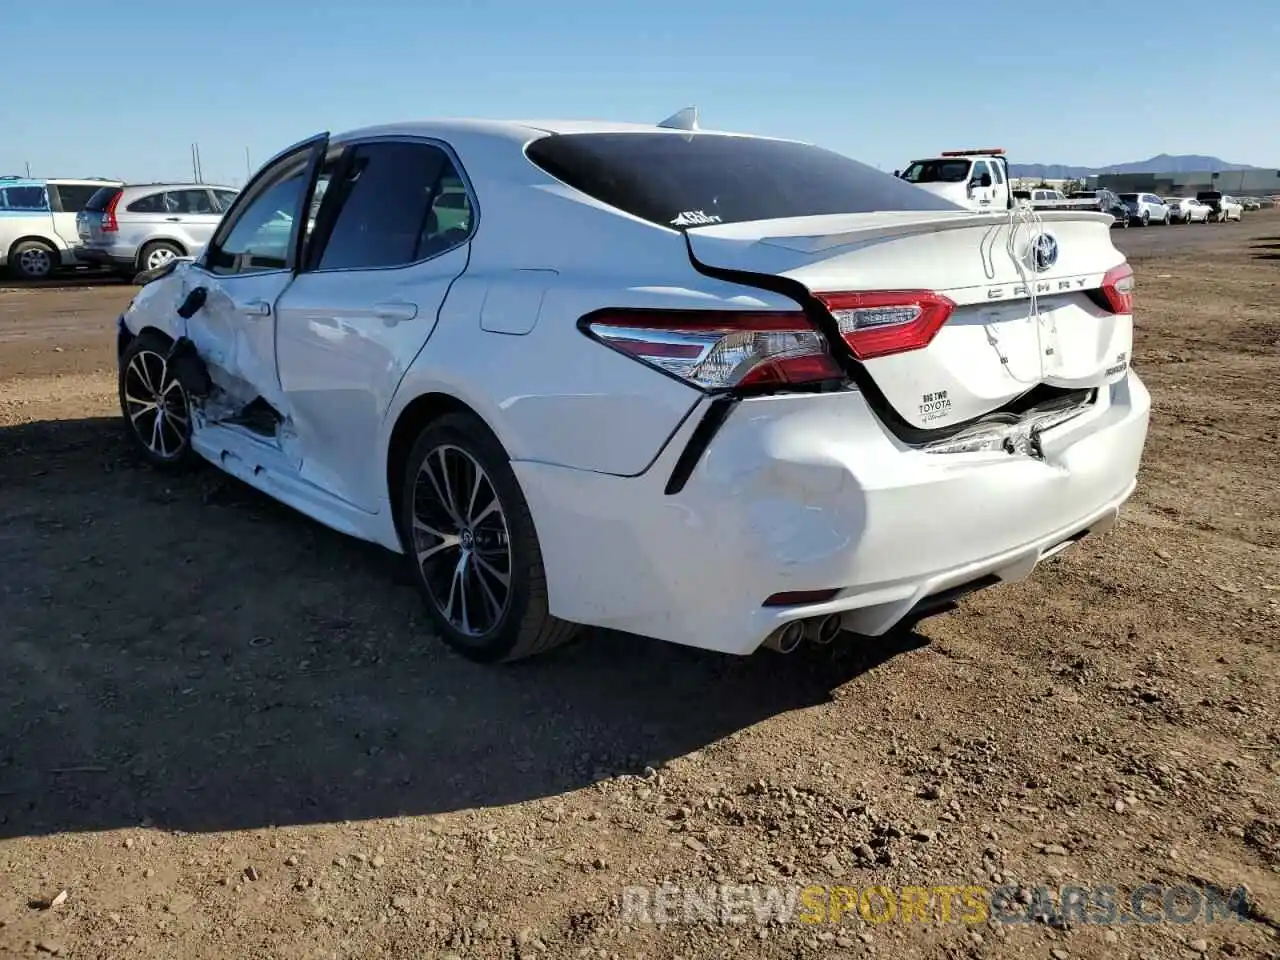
[248, 169]
[28, 169]
[195, 175]
[199, 166]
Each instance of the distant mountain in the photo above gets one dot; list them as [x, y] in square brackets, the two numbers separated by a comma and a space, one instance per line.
[1163, 163]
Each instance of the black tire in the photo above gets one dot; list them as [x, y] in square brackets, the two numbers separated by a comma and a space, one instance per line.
[1146, 218]
[153, 248]
[33, 260]
[144, 376]
[522, 627]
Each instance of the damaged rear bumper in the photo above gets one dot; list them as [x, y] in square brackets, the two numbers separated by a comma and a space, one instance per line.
[809, 493]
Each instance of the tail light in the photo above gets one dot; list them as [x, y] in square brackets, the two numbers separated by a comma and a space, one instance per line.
[1117, 289]
[717, 350]
[880, 323]
[109, 224]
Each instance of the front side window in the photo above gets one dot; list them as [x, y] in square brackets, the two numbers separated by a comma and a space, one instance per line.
[24, 198]
[396, 203]
[937, 171]
[261, 237]
[980, 170]
[225, 199]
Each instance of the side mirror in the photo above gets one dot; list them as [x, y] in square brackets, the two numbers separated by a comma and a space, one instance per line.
[897, 173]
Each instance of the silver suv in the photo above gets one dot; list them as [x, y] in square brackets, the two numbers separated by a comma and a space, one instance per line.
[145, 225]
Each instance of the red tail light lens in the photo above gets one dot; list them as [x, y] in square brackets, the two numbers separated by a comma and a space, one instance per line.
[109, 224]
[884, 322]
[716, 350]
[1117, 289]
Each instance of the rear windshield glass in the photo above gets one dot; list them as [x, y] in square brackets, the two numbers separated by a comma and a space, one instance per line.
[689, 180]
[98, 202]
[1086, 195]
[1128, 196]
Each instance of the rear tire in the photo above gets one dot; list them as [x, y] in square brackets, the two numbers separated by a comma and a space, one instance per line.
[1146, 218]
[157, 416]
[33, 260]
[472, 547]
[157, 254]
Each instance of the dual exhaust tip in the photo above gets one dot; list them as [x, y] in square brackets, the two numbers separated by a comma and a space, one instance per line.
[818, 630]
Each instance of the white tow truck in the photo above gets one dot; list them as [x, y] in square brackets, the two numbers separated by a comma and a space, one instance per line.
[974, 179]
[979, 180]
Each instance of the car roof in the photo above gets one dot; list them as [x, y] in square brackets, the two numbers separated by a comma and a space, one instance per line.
[177, 186]
[69, 181]
[513, 130]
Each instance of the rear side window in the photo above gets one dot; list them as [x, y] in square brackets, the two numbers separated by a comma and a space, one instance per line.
[225, 199]
[396, 204]
[74, 196]
[24, 198]
[152, 203]
[682, 179]
[188, 201]
[99, 202]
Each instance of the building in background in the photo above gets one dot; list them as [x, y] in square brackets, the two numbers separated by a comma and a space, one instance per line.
[1239, 183]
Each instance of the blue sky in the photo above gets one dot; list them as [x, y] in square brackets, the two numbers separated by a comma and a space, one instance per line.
[1084, 83]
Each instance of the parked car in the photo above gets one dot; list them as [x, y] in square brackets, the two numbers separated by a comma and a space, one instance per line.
[662, 380]
[1222, 207]
[38, 223]
[1107, 202]
[1249, 203]
[1187, 210]
[1146, 208]
[143, 226]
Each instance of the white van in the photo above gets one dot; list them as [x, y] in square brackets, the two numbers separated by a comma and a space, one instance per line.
[38, 223]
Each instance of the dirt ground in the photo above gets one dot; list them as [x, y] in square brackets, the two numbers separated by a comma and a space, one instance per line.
[228, 732]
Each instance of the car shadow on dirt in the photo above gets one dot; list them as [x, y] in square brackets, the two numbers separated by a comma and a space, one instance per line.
[186, 652]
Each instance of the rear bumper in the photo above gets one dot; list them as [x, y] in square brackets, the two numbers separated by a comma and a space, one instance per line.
[802, 493]
[103, 258]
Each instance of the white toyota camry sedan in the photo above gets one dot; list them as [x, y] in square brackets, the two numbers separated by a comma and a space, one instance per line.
[722, 390]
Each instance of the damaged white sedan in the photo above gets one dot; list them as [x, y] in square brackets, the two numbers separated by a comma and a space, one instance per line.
[721, 390]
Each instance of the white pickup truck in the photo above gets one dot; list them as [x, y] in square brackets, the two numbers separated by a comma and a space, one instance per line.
[973, 179]
[1041, 198]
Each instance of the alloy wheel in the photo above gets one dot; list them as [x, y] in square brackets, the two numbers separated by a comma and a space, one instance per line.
[35, 262]
[159, 257]
[461, 540]
[156, 405]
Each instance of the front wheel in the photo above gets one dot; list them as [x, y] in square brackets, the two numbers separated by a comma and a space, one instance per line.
[472, 546]
[156, 413]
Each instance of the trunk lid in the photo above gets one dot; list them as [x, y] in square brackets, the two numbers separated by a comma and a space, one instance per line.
[993, 347]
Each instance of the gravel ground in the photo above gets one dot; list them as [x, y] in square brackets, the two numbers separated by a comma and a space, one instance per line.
[229, 732]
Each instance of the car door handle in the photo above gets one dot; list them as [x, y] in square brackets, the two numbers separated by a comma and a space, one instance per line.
[174, 219]
[256, 308]
[396, 311]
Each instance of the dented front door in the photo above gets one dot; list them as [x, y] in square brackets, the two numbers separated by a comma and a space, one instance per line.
[248, 264]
